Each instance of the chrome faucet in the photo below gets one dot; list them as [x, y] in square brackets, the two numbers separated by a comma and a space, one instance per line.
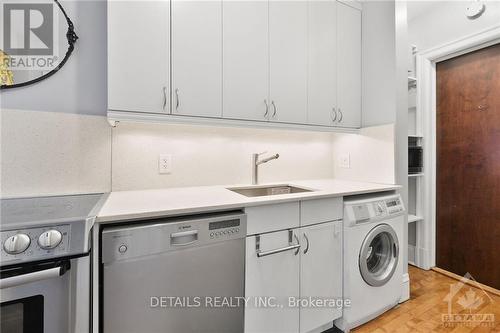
[255, 165]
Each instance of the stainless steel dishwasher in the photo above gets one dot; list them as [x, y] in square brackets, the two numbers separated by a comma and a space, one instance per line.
[177, 275]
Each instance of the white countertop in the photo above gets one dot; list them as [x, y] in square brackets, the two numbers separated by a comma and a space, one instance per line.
[132, 205]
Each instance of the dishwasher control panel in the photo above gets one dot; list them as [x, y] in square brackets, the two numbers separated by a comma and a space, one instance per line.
[224, 228]
[171, 234]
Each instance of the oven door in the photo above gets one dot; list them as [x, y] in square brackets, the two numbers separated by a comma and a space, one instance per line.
[52, 297]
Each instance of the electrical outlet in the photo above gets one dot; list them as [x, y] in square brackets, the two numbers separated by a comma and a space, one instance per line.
[165, 164]
[345, 161]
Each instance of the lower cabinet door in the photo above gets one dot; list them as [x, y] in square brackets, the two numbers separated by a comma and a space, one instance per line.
[270, 280]
[320, 273]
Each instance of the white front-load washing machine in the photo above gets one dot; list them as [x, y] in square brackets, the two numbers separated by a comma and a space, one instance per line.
[373, 263]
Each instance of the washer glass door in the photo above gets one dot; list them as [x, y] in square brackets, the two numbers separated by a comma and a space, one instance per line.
[378, 256]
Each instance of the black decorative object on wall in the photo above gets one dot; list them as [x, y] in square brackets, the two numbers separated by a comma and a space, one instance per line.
[71, 37]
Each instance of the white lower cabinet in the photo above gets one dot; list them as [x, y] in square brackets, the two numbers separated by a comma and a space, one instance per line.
[272, 278]
[276, 270]
[320, 273]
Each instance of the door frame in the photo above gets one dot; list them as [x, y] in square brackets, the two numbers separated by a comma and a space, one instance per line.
[427, 104]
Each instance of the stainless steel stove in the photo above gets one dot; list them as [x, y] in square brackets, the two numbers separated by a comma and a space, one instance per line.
[44, 263]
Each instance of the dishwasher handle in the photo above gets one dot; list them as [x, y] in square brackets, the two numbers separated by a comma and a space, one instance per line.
[184, 238]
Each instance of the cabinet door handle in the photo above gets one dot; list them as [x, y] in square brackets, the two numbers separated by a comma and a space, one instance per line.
[290, 247]
[341, 115]
[274, 108]
[177, 100]
[298, 243]
[164, 98]
[267, 108]
[307, 244]
[333, 114]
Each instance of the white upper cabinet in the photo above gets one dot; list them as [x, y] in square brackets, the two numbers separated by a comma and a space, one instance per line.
[275, 61]
[288, 61]
[246, 59]
[348, 66]
[322, 69]
[138, 56]
[197, 58]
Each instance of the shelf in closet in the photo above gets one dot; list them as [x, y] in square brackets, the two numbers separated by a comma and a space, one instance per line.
[412, 81]
[414, 218]
[415, 174]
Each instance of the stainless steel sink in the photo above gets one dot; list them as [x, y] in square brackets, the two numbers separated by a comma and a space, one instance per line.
[260, 191]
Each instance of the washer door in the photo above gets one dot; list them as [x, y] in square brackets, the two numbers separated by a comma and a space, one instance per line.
[378, 256]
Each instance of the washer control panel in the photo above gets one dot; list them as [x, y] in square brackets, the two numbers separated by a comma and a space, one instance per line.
[375, 208]
[34, 243]
[393, 205]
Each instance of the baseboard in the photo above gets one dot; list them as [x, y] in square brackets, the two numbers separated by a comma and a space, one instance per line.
[469, 282]
[405, 288]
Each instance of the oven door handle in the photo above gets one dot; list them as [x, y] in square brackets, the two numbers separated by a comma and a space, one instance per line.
[18, 280]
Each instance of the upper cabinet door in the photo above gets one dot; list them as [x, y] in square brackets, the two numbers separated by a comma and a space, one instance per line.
[320, 272]
[197, 58]
[288, 61]
[138, 56]
[349, 66]
[246, 59]
[322, 89]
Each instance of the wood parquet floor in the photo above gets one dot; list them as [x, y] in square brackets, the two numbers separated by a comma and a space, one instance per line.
[423, 312]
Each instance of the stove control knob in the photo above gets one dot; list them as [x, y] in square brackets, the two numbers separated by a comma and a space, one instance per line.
[49, 239]
[17, 244]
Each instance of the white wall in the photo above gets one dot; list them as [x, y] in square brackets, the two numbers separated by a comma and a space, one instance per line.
[45, 153]
[205, 155]
[444, 21]
[81, 85]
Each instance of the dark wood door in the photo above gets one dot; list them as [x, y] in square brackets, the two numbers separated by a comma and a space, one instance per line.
[468, 165]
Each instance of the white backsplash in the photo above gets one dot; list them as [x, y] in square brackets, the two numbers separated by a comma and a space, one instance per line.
[372, 154]
[207, 155]
[46, 153]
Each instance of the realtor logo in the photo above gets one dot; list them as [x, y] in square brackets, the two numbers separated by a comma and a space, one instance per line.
[28, 29]
[29, 40]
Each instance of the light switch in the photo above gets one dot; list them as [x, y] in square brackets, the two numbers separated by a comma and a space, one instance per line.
[165, 164]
